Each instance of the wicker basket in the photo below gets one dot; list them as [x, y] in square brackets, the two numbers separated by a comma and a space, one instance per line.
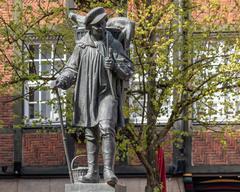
[78, 171]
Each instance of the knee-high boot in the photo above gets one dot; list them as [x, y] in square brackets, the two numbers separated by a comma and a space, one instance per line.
[108, 150]
[92, 175]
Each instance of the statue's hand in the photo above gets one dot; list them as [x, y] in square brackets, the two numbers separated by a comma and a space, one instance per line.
[108, 63]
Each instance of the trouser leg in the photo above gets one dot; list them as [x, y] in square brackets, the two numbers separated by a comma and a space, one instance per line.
[107, 131]
[92, 143]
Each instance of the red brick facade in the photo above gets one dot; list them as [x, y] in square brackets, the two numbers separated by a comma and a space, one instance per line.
[6, 149]
[207, 149]
[43, 149]
[207, 12]
[6, 110]
[6, 9]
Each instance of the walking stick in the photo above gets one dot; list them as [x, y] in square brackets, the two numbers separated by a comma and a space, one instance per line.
[64, 136]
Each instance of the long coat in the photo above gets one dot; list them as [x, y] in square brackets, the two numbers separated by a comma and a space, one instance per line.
[85, 67]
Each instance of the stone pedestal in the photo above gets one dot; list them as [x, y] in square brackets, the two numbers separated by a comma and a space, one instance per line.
[94, 187]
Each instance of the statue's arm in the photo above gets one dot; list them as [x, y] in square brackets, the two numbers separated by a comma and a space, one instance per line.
[68, 75]
[123, 67]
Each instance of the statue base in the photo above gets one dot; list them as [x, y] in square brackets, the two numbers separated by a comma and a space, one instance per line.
[94, 187]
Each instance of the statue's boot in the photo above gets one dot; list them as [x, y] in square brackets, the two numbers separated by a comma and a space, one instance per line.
[92, 175]
[108, 150]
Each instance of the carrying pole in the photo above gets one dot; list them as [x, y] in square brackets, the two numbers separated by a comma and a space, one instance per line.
[109, 73]
[64, 136]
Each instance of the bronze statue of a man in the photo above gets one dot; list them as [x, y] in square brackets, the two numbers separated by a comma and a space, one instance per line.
[98, 66]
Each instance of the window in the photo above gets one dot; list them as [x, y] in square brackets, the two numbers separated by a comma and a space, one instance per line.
[136, 100]
[221, 106]
[44, 62]
[137, 104]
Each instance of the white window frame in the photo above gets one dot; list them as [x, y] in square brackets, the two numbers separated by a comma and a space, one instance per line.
[219, 98]
[53, 117]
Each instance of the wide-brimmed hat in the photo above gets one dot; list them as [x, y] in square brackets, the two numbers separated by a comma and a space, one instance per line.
[94, 16]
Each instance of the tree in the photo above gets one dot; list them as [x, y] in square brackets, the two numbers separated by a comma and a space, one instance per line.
[182, 56]
[182, 59]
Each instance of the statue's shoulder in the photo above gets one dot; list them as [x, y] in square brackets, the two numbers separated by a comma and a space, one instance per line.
[85, 41]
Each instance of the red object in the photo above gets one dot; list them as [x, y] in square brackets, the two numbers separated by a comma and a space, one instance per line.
[162, 169]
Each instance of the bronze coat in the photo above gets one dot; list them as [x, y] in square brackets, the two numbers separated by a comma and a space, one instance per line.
[92, 88]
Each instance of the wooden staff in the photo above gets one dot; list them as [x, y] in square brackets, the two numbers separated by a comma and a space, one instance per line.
[64, 138]
[109, 73]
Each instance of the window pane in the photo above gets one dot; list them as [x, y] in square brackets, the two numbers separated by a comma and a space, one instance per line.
[45, 95]
[59, 51]
[34, 67]
[33, 111]
[33, 51]
[46, 50]
[45, 110]
[45, 68]
[33, 95]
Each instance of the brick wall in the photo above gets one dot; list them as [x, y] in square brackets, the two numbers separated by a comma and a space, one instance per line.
[219, 12]
[43, 10]
[46, 149]
[43, 149]
[132, 157]
[6, 149]
[168, 153]
[6, 110]
[207, 149]
[6, 9]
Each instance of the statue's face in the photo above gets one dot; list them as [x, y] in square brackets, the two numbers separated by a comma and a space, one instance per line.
[98, 30]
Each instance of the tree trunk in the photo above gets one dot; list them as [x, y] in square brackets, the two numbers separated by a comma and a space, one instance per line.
[153, 184]
[153, 177]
